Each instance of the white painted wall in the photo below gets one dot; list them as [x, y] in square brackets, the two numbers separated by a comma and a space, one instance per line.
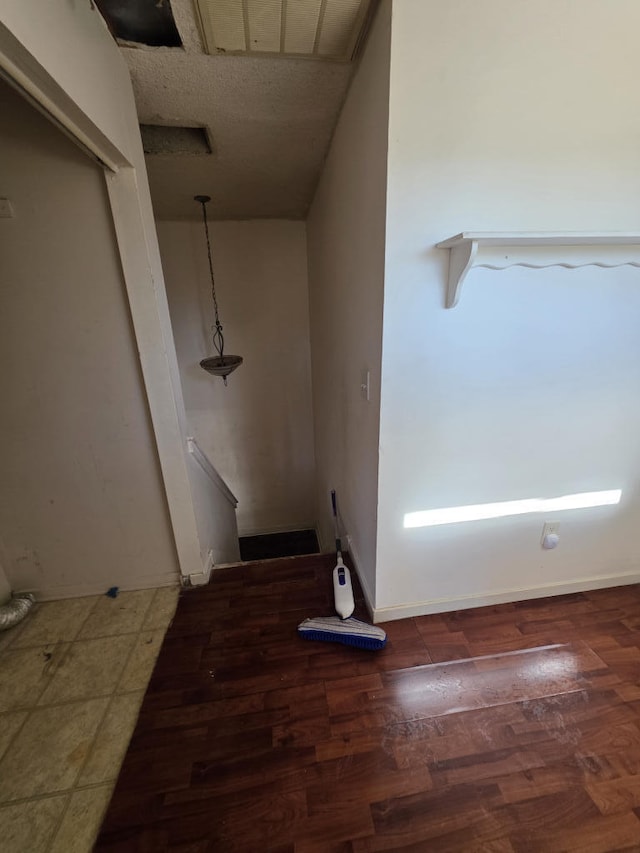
[72, 47]
[63, 56]
[215, 511]
[82, 506]
[258, 431]
[508, 116]
[346, 245]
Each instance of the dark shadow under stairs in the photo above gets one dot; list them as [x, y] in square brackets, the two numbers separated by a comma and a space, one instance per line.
[267, 546]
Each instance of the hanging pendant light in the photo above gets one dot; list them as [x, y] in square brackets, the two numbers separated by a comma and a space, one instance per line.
[221, 364]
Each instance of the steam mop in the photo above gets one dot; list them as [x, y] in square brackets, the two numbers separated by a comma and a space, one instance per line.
[342, 628]
[342, 589]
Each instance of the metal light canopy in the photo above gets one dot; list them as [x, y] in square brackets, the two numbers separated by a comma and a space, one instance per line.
[221, 364]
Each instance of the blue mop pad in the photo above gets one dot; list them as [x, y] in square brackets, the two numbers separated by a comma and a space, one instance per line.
[350, 632]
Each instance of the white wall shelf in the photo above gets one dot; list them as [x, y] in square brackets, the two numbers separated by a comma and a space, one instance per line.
[497, 250]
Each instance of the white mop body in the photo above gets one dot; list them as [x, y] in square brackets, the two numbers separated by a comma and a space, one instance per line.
[342, 590]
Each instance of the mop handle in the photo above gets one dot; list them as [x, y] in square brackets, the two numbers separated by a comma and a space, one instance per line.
[335, 519]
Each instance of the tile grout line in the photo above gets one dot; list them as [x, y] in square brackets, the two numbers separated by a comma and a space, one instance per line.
[50, 795]
[29, 709]
[78, 640]
[86, 619]
[10, 645]
[64, 702]
[74, 786]
[110, 696]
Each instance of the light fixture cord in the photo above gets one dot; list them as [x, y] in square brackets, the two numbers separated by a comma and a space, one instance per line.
[218, 339]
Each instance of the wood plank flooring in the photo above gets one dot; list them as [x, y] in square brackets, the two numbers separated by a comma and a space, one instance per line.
[499, 729]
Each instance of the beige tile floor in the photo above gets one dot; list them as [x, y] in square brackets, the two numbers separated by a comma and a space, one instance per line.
[72, 677]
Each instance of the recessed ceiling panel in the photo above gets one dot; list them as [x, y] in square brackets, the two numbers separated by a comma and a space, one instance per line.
[301, 26]
[317, 29]
[338, 31]
[265, 25]
[163, 139]
[224, 19]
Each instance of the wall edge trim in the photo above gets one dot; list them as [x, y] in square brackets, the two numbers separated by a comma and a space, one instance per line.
[207, 466]
[355, 560]
[444, 605]
[60, 591]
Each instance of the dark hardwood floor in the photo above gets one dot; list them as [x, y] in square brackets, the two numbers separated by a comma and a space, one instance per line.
[499, 729]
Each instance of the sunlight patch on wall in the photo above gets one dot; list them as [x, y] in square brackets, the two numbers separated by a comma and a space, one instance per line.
[480, 512]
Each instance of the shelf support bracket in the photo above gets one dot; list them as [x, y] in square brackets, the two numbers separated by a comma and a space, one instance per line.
[499, 250]
[461, 260]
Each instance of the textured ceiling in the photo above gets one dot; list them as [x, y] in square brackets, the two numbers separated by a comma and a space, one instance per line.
[269, 122]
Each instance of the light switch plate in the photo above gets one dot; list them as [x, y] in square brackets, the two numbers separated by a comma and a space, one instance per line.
[6, 211]
[365, 385]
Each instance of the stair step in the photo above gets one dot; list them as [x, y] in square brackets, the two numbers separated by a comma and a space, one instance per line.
[289, 543]
[312, 560]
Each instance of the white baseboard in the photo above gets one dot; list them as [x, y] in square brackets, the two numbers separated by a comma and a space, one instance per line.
[202, 578]
[55, 592]
[444, 605]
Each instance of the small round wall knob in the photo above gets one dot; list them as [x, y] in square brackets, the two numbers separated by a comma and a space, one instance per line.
[550, 541]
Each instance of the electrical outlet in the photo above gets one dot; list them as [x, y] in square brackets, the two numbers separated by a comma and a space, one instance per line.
[550, 527]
